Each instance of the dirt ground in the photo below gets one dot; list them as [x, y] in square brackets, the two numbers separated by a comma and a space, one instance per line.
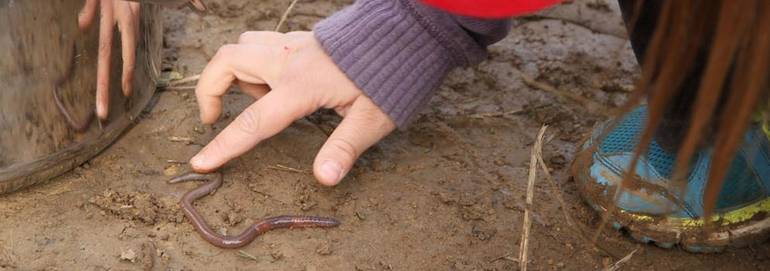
[445, 194]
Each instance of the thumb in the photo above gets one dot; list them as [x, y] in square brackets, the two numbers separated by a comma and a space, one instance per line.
[363, 126]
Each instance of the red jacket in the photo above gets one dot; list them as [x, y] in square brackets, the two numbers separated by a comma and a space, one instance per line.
[491, 8]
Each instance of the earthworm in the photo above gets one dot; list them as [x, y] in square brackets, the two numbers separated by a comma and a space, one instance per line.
[251, 233]
[78, 126]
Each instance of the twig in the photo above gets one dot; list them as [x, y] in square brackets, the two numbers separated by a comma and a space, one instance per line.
[182, 139]
[494, 114]
[285, 16]
[171, 161]
[536, 151]
[506, 113]
[570, 221]
[285, 168]
[505, 257]
[246, 255]
[189, 79]
[619, 263]
[557, 190]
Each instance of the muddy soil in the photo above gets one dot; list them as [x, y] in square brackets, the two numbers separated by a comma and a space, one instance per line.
[446, 194]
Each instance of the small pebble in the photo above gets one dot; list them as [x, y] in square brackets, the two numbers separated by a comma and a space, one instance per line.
[199, 129]
[128, 255]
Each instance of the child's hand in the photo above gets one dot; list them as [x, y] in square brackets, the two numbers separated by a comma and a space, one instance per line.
[126, 15]
[291, 76]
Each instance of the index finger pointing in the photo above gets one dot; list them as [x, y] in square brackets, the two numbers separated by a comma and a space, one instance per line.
[251, 63]
[263, 119]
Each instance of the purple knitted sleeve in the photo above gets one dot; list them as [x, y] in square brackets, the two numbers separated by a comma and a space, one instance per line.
[399, 51]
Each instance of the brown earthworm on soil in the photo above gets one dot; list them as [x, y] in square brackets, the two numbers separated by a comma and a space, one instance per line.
[78, 126]
[248, 235]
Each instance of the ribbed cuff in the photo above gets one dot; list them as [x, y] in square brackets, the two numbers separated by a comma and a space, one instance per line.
[394, 52]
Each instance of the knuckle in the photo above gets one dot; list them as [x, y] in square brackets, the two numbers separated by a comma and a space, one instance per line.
[225, 50]
[223, 55]
[246, 36]
[248, 121]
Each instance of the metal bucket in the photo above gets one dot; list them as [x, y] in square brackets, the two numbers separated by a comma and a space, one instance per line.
[45, 57]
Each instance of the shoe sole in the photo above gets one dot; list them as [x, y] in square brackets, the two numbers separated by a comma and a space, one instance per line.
[739, 228]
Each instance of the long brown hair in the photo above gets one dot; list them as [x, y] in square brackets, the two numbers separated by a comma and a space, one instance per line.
[734, 37]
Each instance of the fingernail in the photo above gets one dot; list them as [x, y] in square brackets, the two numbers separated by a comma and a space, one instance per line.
[101, 112]
[331, 170]
[197, 161]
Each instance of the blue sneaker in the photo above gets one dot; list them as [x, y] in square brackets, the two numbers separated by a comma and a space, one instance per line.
[652, 213]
